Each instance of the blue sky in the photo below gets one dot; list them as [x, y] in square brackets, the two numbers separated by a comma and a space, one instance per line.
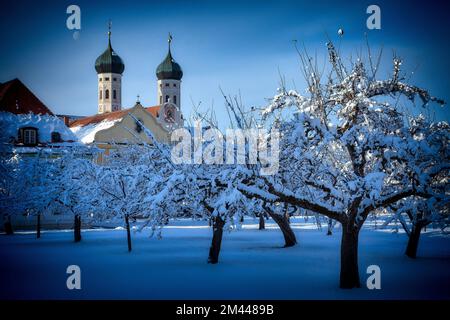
[240, 46]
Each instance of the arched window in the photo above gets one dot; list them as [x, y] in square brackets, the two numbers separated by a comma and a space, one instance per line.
[114, 94]
[107, 94]
[167, 98]
[101, 94]
[175, 99]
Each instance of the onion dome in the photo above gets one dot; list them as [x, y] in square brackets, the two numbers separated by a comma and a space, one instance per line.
[109, 61]
[169, 69]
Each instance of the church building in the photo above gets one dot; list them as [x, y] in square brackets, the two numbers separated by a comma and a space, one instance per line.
[113, 125]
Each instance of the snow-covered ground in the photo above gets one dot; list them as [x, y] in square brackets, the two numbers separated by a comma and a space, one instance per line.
[253, 265]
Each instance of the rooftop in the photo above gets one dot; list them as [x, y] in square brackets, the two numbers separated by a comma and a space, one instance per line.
[16, 98]
[110, 116]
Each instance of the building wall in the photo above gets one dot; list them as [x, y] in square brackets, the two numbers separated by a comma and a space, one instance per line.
[118, 132]
[111, 82]
[169, 88]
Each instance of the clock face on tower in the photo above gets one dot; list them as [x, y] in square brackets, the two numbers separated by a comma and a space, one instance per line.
[169, 114]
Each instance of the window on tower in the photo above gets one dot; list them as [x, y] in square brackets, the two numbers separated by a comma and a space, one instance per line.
[167, 84]
[167, 98]
[100, 80]
[114, 79]
[175, 85]
[114, 94]
[175, 99]
[107, 79]
[100, 94]
[107, 94]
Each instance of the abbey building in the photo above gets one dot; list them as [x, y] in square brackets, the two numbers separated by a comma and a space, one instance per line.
[113, 124]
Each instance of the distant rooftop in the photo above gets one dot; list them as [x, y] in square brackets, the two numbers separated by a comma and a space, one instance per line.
[16, 98]
[109, 116]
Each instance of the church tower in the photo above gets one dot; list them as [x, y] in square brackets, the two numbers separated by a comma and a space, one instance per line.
[109, 67]
[169, 76]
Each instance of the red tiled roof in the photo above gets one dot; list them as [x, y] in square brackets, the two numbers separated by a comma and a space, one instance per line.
[153, 110]
[16, 98]
[116, 115]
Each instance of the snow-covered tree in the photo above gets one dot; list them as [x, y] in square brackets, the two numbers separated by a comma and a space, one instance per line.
[347, 151]
[191, 190]
[124, 184]
[28, 185]
[77, 189]
[11, 191]
[48, 183]
[429, 160]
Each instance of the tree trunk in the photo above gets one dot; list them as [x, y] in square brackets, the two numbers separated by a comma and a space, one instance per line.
[283, 223]
[214, 250]
[127, 223]
[330, 227]
[413, 241]
[262, 223]
[77, 228]
[8, 226]
[287, 217]
[38, 226]
[349, 276]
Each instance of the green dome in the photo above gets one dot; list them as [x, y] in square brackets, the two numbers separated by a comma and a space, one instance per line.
[109, 61]
[169, 69]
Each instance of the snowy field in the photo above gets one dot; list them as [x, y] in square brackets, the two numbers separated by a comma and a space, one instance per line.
[253, 265]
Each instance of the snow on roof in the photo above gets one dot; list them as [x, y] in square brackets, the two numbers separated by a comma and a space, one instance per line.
[46, 124]
[86, 133]
[86, 128]
[110, 116]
